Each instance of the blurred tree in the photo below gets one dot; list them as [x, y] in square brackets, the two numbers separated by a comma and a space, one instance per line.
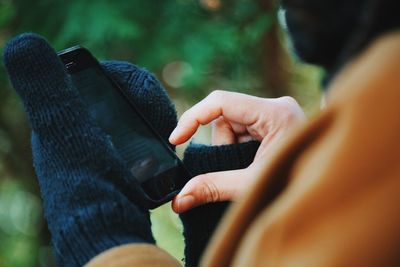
[219, 42]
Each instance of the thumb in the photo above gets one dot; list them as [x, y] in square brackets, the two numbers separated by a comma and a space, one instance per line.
[210, 187]
[40, 79]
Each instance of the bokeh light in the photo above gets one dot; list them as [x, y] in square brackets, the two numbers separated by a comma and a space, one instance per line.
[211, 4]
[176, 72]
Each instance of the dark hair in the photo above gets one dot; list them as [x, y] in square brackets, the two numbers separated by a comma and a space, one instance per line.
[329, 33]
[378, 17]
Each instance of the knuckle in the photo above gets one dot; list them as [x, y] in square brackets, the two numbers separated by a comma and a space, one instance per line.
[217, 94]
[290, 108]
[210, 191]
[288, 100]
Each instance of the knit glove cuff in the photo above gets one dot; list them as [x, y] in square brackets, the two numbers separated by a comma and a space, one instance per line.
[201, 159]
[89, 231]
[199, 223]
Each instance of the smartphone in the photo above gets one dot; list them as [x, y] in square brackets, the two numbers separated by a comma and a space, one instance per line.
[149, 158]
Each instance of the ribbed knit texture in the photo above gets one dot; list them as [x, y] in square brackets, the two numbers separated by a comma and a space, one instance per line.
[147, 93]
[91, 201]
[199, 223]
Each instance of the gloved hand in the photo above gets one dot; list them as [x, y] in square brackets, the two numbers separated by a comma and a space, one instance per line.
[91, 201]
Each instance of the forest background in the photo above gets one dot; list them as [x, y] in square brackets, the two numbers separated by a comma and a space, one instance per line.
[192, 46]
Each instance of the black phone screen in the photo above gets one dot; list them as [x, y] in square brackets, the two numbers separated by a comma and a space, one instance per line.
[141, 149]
[148, 157]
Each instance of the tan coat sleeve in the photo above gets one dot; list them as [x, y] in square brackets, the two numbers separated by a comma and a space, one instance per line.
[134, 255]
[331, 196]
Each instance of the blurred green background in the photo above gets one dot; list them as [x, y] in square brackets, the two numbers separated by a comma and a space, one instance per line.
[193, 47]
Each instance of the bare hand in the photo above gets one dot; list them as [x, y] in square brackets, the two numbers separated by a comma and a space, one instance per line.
[236, 118]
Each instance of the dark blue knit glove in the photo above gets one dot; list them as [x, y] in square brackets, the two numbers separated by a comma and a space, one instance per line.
[199, 223]
[91, 201]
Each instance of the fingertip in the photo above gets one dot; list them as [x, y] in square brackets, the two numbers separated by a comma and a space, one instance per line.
[183, 203]
[27, 49]
[15, 46]
[178, 136]
[174, 205]
[172, 141]
[172, 138]
[33, 66]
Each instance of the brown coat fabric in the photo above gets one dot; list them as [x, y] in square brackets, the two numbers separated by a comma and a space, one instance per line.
[330, 195]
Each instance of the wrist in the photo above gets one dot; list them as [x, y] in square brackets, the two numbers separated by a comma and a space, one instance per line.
[201, 159]
[92, 229]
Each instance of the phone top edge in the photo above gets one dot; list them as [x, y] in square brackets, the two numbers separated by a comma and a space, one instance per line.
[69, 49]
[77, 58]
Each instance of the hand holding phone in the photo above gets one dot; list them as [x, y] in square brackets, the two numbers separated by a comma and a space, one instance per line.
[146, 153]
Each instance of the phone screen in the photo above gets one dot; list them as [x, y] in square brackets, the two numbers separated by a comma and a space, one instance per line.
[149, 158]
[141, 149]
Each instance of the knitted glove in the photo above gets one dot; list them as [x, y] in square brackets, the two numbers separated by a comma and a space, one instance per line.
[200, 222]
[91, 201]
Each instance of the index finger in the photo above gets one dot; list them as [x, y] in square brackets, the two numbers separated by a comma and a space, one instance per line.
[235, 107]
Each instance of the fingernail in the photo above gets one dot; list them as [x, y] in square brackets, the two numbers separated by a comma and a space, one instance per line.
[185, 202]
[172, 136]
